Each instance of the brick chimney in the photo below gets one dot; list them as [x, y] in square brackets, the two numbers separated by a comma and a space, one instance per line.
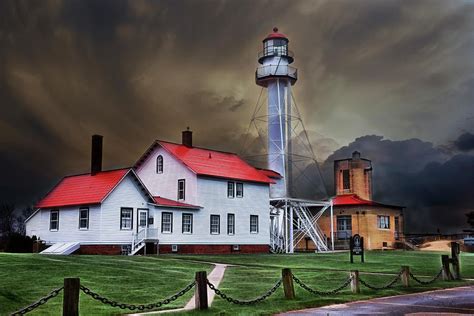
[187, 139]
[96, 154]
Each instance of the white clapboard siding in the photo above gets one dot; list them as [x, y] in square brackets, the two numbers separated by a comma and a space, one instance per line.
[68, 225]
[212, 193]
[127, 194]
[104, 220]
[166, 184]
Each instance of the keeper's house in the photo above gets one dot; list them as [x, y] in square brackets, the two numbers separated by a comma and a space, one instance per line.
[176, 199]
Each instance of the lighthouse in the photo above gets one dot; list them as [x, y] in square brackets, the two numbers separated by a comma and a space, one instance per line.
[277, 76]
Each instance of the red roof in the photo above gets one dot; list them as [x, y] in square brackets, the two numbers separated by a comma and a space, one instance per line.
[270, 173]
[354, 199]
[83, 189]
[167, 202]
[275, 34]
[211, 163]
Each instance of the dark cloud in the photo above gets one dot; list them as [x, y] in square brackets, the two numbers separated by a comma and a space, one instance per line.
[465, 142]
[139, 70]
[436, 189]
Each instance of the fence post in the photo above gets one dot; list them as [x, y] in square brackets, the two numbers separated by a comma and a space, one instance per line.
[288, 288]
[71, 296]
[200, 290]
[446, 272]
[455, 250]
[405, 276]
[355, 285]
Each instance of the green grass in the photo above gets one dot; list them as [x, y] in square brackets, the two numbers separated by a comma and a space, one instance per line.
[27, 277]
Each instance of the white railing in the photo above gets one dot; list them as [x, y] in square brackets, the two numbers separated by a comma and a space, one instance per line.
[143, 235]
[276, 70]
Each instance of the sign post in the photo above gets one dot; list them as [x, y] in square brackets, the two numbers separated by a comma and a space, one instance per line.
[357, 247]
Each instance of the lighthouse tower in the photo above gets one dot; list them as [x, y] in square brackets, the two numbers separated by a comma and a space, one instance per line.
[277, 76]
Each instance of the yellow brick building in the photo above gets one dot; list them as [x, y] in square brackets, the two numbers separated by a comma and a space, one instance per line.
[355, 212]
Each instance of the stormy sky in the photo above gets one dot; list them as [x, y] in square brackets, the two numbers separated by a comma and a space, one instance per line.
[392, 79]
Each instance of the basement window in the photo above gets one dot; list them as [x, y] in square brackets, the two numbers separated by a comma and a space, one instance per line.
[54, 220]
[84, 218]
[383, 222]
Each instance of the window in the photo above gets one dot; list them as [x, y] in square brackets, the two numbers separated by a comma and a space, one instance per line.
[54, 220]
[344, 226]
[187, 220]
[166, 222]
[159, 164]
[84, 218]
[239, 188]
[346, 180]
[126, 216]
[230, 224]
[181, 189]
[215, 224]
[230, 189]
[254, 224]
[383, 222]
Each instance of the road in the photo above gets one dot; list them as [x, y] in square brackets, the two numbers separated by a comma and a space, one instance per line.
[449, 301]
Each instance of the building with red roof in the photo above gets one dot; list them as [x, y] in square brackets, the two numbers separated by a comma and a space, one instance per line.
[176, 198]
[355, 212]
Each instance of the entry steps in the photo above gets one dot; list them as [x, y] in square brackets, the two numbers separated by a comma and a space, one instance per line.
[61, 248]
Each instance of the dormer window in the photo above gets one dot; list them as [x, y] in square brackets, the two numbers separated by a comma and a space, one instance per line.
[159, 164]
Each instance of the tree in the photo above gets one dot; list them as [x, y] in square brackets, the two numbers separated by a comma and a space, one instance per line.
[7, 218]
[20, 219]
[470, 218]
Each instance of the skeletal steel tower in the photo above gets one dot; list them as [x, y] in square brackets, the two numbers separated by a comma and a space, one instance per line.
[296, 197]
[277, 76]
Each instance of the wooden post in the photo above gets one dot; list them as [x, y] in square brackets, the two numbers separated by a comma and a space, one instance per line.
[446, 273]
[200, 291]
[455, 250]
[71, 296]
[355, 285]
[405, 276]
[288, 288]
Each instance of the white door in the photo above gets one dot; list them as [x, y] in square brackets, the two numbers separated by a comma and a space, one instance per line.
[142, 219]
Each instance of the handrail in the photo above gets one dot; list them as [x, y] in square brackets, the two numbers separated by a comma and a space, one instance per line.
[276, 70]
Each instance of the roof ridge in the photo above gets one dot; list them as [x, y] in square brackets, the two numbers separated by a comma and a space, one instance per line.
[88, 173]
[198, 147]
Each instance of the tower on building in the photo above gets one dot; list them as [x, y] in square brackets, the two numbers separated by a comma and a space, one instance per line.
[353, 176]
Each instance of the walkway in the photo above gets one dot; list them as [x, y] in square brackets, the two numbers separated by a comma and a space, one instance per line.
[458, 300]
[215, 277]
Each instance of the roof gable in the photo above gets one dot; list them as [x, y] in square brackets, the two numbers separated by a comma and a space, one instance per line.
[85, 189]
[209, 162]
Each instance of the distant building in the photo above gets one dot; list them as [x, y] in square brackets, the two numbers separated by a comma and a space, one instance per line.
[355, 212]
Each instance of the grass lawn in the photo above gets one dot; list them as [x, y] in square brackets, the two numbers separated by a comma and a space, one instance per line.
[137, 280]
[26, 277]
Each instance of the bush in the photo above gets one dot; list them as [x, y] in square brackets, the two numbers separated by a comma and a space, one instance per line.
[16, 242]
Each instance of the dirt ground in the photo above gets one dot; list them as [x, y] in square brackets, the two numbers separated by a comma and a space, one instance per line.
[438, 245]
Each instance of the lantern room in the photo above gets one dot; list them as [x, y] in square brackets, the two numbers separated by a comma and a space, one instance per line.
[275, 45]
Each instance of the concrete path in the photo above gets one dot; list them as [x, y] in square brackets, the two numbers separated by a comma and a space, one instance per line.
[455, 301]
[215, 277]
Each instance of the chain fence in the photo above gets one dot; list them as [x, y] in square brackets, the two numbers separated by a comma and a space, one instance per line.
[434, 279]
[139, 307]
[244, 302]
[38, 303]
[384, 287]
[318, 292]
